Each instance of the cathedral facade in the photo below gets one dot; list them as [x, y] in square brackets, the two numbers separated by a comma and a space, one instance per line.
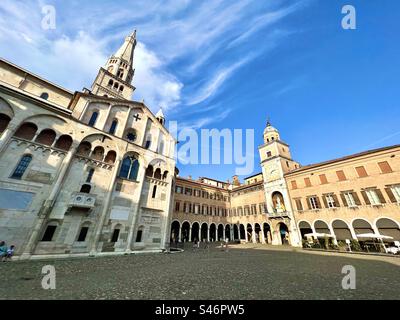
[83, 173]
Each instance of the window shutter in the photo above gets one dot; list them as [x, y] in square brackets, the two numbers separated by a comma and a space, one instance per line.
[337, 204]
[385, 167]
[299, 205]
[380, 196]
[344, 200]
[325, 201]
[308, 204]
[364, 194]
[356, 198]
[318, 203]
[390, 194]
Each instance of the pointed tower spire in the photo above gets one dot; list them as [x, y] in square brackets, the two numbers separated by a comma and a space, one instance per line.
[114, 80]
[160, 116]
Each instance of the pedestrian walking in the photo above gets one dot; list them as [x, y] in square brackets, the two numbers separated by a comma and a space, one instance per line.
[9, 254]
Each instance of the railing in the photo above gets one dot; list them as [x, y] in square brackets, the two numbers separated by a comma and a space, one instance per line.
[82, 200]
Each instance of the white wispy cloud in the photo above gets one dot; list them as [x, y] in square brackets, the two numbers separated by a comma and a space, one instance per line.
[177, 39]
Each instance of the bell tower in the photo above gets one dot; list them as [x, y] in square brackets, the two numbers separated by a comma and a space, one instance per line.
[276, 161]
[114, 80]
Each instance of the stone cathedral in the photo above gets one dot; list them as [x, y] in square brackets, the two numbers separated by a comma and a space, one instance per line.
[83, 173]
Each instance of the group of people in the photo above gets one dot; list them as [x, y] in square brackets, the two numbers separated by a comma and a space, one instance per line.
[196, 244]
[6, 253]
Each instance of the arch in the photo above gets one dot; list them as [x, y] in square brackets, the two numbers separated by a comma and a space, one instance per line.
[44, 95]
[305, 228]
[185, 231]
[267, 232]
[157, 174]
[4, 121]
[341, 230]
[98, 153]
[195, 232]
[278, 202]
[242, 232]
[235, 232]
[46, 137]
[321, 227]
[228, 232]
[26, 131]
[149, 171]
[220, 233]
[249, 230]
[6, 109]
[284, 233]
[64, 142]
[22, 166]
[86, 188]
[165, 175]
[361, 226]
[129, 168]
[84, 149]
[110, 82]
[204, 232]
[388, 227]
[110, 157]
[257, 230]
[213, 232]
[175, 227]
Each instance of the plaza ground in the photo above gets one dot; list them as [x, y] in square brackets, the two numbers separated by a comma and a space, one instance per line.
[244, 272]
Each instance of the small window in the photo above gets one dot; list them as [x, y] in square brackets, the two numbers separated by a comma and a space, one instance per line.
[90, 175]
[113, 127]
[44, 95]
[86, 188]
[269, 154]
[131, 136]
[362, 173]
[83, 234]
[307, 182]
[148, 144]
[139, 235]
[341, 176]
[93, 118]
[299, 205]
[323, 179]
[115, 236]
[154, 192]
[385, 167]
[21, 167]
[294, 184]
[49, 233]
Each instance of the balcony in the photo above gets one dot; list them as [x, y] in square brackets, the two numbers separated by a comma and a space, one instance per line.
[278, 214]
[82, 201]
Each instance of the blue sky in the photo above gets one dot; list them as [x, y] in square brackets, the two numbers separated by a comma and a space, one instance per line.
[224, 64]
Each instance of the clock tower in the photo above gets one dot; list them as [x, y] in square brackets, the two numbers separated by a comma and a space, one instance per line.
[276, 161]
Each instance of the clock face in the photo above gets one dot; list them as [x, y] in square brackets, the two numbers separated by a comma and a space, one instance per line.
[273, 174]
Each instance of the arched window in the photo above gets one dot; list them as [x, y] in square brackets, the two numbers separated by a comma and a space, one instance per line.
[113, 126]
[84, 149]
[4, 121]
[64, 142]
[90, 175]
[110, 157]
[22, 166]
[86, 188]
[165, 175]
[157, 174]
[110, 83]
[44, 95]
[93, 118]
[46, 137]
[154, 192]
[83, 233]
[27, 131]
[149, 171]
[139, 235]
[129, 168]
[121, 88]
[98, 153]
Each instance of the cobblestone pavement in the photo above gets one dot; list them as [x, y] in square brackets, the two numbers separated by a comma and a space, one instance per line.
[240, 273]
